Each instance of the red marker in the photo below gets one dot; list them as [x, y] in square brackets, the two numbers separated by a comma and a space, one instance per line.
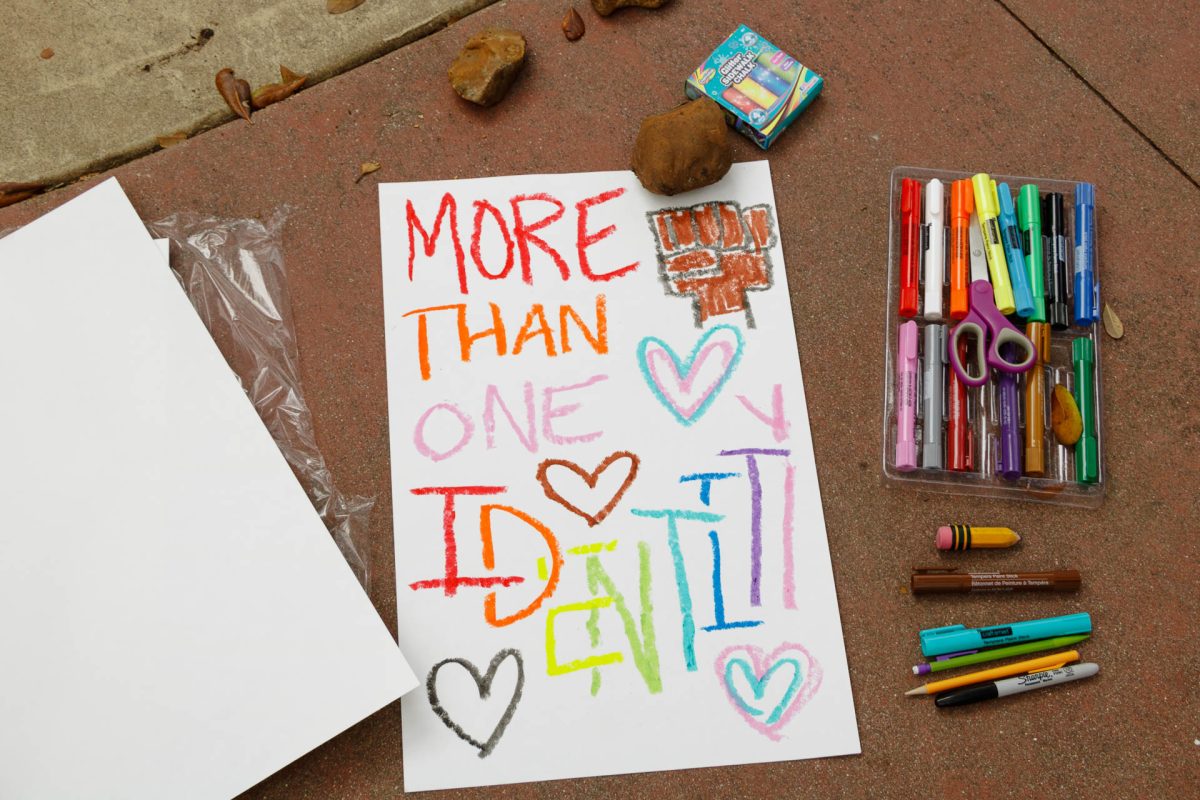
[960, 439]
[962, 203]
[910, 245]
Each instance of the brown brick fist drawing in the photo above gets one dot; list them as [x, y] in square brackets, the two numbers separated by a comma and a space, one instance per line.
[714, 253]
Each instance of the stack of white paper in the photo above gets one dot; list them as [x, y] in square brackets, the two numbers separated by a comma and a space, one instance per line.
[176, 621]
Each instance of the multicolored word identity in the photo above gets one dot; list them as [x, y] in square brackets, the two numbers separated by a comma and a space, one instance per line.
[610, 549]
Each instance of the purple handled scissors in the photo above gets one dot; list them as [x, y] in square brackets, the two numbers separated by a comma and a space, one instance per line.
[985, 323]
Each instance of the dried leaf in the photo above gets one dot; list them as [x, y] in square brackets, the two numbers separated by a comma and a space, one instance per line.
[230, 87]
[1064, 416]
[572, 25]
[274, 92]
[48, 53]
[171, 139]
[243, 92]
[287, 76]
[339, 6]
[366, 168]
[16, 192]
[1112, 323]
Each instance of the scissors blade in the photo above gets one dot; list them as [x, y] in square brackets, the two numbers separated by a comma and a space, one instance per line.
[979, 269]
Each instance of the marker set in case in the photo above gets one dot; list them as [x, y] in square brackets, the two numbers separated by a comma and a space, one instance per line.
[993, 300]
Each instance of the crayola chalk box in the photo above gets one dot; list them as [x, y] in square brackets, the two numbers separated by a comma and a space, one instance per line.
[761, 88]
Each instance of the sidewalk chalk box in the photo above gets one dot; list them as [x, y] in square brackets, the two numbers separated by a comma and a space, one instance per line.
[761, 88]
[1058, 485]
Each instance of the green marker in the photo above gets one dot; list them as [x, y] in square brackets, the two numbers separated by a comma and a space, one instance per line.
[998, 653]
[1087, 449]
[1029, 217]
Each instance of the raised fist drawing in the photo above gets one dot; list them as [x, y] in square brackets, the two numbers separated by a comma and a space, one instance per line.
[714, 253]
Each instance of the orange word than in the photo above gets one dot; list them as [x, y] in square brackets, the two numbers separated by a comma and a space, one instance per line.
[542, 330]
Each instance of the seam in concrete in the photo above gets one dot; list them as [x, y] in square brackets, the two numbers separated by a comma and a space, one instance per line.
[1133, 126]
[216, 119]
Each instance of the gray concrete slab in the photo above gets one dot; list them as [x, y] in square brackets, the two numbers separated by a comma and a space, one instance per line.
[123, 73]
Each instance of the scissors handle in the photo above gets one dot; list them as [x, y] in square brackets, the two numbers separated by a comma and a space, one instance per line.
[984, 322]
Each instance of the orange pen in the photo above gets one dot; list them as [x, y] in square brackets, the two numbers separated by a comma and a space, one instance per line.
[1035, 400]
[962, 203]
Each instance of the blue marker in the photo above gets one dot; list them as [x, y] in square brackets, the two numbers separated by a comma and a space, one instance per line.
[956, 638]
[1087, 291]
[1010, 234]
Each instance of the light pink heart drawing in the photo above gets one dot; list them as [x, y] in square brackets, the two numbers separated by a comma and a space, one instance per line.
[790, 663]
[688, 386]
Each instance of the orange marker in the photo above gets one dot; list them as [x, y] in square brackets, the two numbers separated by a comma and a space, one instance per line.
[1035, 400]
[962, 203]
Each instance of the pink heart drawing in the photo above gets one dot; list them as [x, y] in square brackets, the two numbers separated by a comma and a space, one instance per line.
[789, 662]
[688, 386]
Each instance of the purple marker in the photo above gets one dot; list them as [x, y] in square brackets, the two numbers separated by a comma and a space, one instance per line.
[1009, 465]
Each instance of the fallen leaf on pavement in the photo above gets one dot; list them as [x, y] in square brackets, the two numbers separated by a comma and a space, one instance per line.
[1112, 323]
[366, 168]
[171, 139]
[16, 192]
[274, 92]
[572, 25]
[1064, 416]
[231, 88]
[338, 6]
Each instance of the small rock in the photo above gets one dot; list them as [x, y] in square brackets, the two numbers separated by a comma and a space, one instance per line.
[572, 25]
[606, 7]
[48, 53]
[683, 149]
[487, 66]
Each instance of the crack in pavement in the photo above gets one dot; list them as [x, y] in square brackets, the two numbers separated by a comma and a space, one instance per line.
[1124, 118]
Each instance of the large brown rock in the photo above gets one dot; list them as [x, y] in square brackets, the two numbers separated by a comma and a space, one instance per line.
[487, 66]
[606, 7]
[683, 149]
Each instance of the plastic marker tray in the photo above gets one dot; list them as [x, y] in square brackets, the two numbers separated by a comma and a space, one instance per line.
[1058, 484]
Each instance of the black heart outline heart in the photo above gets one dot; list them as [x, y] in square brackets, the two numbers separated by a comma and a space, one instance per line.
[484, 684]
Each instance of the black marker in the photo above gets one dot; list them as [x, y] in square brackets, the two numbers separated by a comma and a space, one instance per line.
[1054, 228]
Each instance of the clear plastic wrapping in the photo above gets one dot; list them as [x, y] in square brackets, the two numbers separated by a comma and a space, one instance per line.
[1058, 482]
[232, 271]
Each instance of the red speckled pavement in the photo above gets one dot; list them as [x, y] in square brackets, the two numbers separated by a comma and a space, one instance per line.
[905, 84]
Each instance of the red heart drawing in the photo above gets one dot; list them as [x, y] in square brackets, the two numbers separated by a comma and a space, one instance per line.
[591, 479]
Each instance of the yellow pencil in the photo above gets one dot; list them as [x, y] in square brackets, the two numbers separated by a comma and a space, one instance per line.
[1052, 661]
[969, 537]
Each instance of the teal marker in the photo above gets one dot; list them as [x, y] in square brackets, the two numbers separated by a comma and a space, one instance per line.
[1029, 217]
[997, 653]
[1087, 449]
[958, 638]
[1014, 254]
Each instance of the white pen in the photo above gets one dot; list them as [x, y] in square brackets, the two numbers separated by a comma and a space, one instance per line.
[1009, 686]
[935, 252]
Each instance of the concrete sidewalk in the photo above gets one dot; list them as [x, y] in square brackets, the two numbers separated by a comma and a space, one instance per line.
[123, 73]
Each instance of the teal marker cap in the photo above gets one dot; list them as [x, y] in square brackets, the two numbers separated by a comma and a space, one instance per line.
[1087, 449]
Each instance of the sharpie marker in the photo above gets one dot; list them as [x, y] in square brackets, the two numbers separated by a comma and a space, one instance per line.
[962, 203]
[934, 250]
[1055, 246]
[1087, 300]
[1029, 218]
[988, 210]
[959, 638]
[1011, 686]
[910, 245]
[933, 396]
[906, 397]
[1014, 255]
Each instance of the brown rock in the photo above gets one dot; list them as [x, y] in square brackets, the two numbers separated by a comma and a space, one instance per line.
[572, 25]
[487, 66]
[606, 7]
[683, 149]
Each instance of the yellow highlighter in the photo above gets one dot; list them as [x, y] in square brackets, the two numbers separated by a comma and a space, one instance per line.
[1053, 661]
[987, 206]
